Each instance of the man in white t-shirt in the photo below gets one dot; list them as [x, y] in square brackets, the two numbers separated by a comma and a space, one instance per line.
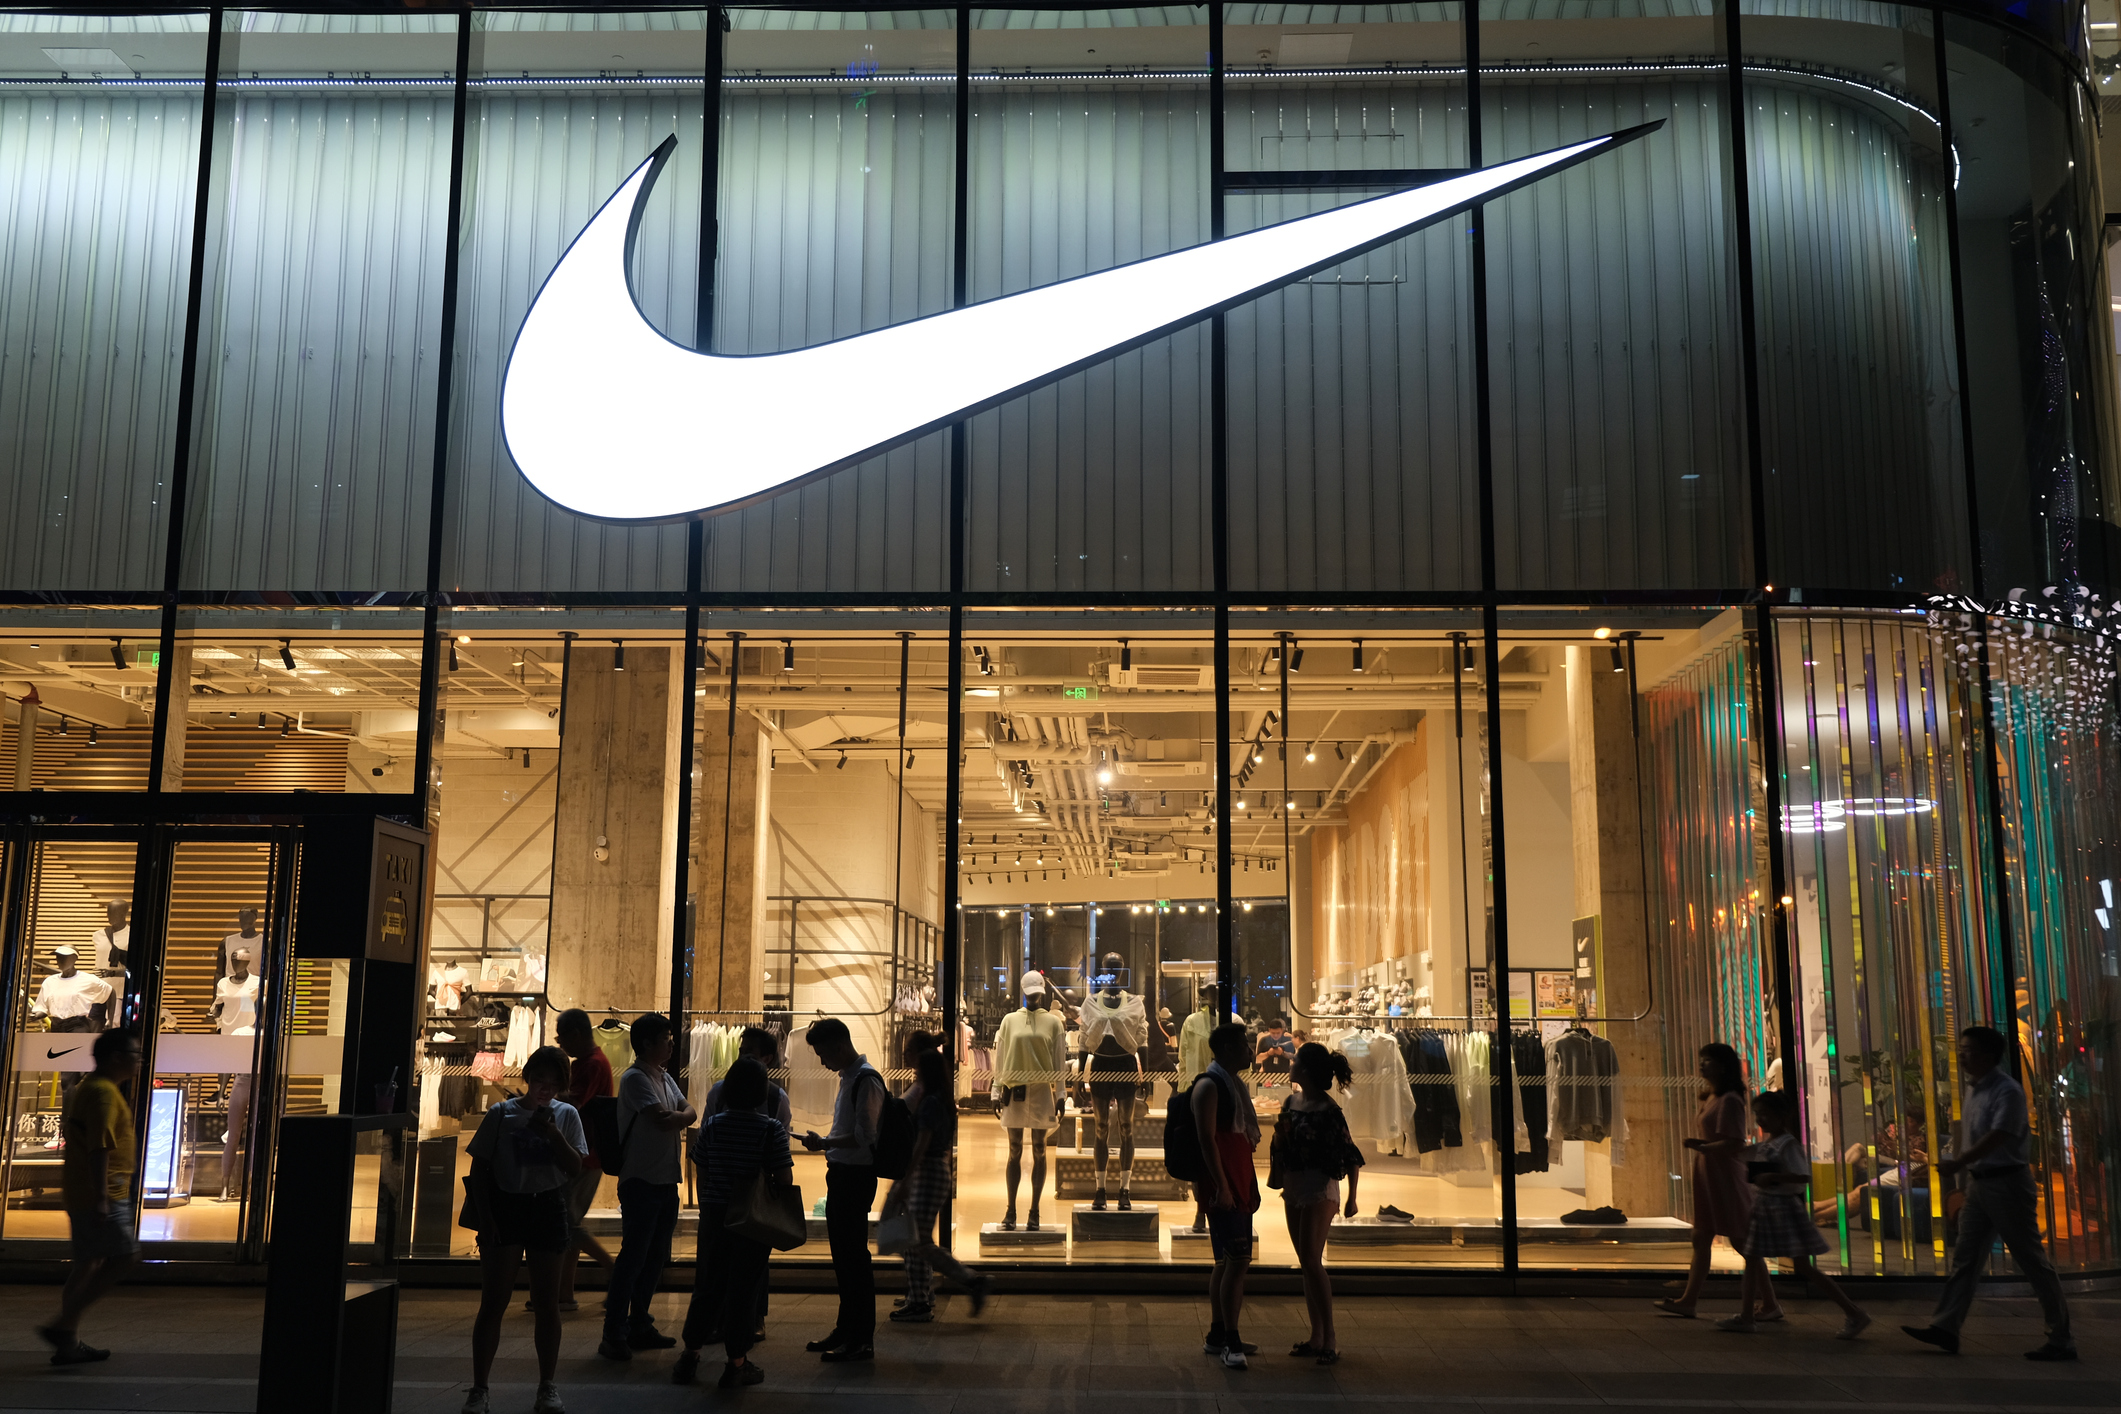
[653, 1115]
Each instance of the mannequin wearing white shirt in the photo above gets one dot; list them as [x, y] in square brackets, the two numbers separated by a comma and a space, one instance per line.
[235, 1011]
[247, 937]
[114, 941]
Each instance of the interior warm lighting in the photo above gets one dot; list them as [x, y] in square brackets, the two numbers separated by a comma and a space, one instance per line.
[602, 413]
[1603, 633]
[787, 655]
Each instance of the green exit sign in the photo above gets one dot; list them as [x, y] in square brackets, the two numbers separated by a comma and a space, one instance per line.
[1079, 691]
[149, 659]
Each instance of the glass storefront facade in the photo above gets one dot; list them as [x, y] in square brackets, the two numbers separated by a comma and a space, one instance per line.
[1668, 604]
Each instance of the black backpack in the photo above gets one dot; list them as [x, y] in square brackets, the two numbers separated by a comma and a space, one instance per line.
[1182, 1158]
[600, 1125]
[895, 1132]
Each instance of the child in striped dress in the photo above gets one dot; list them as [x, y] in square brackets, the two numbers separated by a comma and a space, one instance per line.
[1781, 1225]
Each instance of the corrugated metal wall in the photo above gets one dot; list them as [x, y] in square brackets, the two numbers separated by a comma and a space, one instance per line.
[541, 166]
[318, 355]
[96, 197]
[1617, 405]
[1100, 481]
[1616, 415]
[1859, 404]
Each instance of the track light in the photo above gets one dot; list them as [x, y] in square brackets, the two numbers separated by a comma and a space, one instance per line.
[843, 762]
[618, 655]
[117, 654]
[452, 656]
[526, 759]
[1126, 656]
[1338, 754]
[1358, 655]
[1311, 752]
[1620, 661]
[909, 760]
[62, 726]
[1296, 660]
[287, 656]
[285, 724]
[91, 733]
[1240, 802]
[261, 721]
[1468, 658]
[787, 655]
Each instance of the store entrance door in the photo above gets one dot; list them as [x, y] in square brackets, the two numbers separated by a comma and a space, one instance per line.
[181, 933]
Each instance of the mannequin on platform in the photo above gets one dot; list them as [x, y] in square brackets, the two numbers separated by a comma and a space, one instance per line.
[246, 937]
[1030, 1057]
[235, 1012]
[113, 943]
[1115, 1027]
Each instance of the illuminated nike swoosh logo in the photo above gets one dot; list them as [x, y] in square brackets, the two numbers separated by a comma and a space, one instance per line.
[611, 420]
[50, 1054]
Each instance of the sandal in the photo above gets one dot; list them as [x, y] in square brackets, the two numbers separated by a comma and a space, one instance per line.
[1669, 1307]
[1329, 1357]
[1304, 1350]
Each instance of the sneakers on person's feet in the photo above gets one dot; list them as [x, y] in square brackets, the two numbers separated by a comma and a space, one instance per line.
[476, 1402]
[915, 1314]
[978, 1290]
[1215, 1343]
[1946, 1341]
[649, 1338]
[58, 1339]
[1737, 1325]
[687, 1369]
[1234, 1359]
[1242, 1347]
[614, 1349]
[548, 1399]
[82, 1353]
[2052, 1352]
[1854, 1326]
[737, 1376]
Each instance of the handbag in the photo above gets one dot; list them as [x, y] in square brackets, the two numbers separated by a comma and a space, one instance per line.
[894, 1235]
[771, 1215]
[472, 1215]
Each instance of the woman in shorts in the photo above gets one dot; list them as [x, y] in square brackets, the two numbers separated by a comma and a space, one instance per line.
[523, 1159]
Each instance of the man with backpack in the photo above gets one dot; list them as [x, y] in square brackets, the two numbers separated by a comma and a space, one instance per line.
[1225, 1131]
[851, 1171]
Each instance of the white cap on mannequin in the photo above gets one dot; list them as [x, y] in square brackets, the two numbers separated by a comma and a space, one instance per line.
[1034, 982]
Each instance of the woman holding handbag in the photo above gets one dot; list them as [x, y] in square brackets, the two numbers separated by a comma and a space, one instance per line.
[739, 1149]
[920, 1195]
[1311, 1154]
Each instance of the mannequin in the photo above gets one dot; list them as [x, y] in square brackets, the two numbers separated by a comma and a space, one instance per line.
[1115, 1026]
[113, 942]
[247, 937]
[235, 1011]
[1193, 1058]
[1030, 1057]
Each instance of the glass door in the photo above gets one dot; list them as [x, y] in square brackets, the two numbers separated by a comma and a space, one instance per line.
[74, 971]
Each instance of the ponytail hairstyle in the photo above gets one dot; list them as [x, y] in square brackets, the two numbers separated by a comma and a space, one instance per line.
[1321, 1066]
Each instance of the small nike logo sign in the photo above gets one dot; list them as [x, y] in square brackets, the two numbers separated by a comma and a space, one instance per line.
[609, 419]
[50, 1054]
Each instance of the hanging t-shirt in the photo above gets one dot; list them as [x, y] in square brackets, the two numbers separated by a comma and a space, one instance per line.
[616, 1042]
[254, 945]
[523, 1160]
[239, 1005]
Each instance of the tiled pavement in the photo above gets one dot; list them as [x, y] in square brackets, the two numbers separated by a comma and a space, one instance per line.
[196, 1349]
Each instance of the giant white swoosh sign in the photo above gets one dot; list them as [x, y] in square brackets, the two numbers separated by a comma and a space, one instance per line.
[613, 421]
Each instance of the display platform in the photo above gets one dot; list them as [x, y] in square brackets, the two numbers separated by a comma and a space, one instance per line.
[1190, 1246]
[1369, 1232]
[1139, 1225]
[1049, 1241]
[815, 1224]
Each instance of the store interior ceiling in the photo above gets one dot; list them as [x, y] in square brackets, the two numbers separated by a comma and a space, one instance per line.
[1084, 759]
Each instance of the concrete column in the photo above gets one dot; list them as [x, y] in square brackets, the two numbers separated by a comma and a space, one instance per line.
[608, 943]
[1605, 825]
[728, 940]
[179, 718]
[25, 744]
